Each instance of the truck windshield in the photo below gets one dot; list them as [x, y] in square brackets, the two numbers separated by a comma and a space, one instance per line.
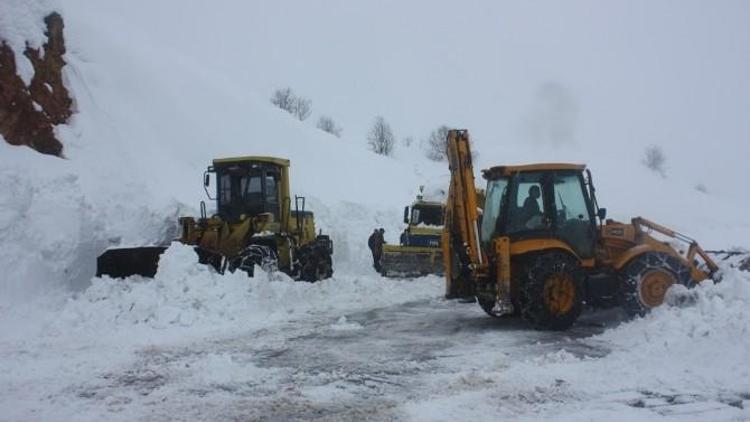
[493, 207]
[427, 215]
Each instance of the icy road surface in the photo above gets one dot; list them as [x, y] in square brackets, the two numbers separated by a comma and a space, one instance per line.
[393, 363]
[367, 365]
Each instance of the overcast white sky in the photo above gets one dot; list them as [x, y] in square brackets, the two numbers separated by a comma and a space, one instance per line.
[609, 75]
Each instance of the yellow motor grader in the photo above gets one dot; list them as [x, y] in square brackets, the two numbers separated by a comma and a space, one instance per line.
[542, 247]
[254, 224]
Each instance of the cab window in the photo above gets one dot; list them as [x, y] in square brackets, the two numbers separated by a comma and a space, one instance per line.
[497, 191]
[575, 224]
[529, 205]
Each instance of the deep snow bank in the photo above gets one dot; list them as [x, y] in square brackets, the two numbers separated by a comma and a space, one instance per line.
[138, 145]
[187, 294]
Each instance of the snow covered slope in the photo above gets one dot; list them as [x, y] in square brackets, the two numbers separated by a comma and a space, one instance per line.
[155, 105]
[149, 120]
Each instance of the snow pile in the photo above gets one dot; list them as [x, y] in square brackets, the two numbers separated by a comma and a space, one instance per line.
[703, 344]
[139, 143]
[22, 25]
[693, 351]
[53, 223]
[185, 294]
[343, 324]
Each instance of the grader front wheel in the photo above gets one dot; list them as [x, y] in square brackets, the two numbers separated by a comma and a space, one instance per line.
[315, 263]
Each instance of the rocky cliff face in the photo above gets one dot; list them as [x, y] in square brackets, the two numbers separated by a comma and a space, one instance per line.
[28, 114]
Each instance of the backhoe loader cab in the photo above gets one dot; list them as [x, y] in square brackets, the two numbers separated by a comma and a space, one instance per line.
[542, 249]
[540, 201]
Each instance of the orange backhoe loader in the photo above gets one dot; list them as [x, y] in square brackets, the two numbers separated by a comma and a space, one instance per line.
[540, 246]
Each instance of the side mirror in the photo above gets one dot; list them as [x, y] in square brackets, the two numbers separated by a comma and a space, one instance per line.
[601, 213]
[406, 215]
[206, 179]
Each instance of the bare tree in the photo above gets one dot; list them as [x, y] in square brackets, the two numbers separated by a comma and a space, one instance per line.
[326, 124]
[408, 141]
[437, 143]
[381, 137]
[654, 159]
[302, 108]
[286, 100]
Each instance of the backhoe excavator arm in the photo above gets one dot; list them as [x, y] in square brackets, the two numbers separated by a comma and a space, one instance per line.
[462, 253]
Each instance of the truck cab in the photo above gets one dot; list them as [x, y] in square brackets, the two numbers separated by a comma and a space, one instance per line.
[424, 224]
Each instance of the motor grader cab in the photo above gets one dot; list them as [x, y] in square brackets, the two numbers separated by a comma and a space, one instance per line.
[542, 247]
[255, 223]
[418, 252]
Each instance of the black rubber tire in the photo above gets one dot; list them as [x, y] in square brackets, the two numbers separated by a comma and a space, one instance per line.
[540, 268]
[252, 255]
[632, 274]
[316, 265]
[461, 286]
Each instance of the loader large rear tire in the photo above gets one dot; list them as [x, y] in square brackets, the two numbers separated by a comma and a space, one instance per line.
[645, 280]
[552, 290]
[316, 265]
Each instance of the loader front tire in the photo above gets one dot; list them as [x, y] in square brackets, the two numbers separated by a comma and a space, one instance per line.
[645, 280]
[552, 290]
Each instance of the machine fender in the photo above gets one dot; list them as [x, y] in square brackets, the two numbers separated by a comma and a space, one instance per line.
[534, 245]
[639, 250]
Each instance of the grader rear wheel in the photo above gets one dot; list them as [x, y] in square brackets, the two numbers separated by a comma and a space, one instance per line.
[552, 291]
[646, 280]
[316, 264]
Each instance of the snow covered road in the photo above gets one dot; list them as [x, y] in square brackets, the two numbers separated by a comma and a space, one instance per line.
[410, 359]
[370, 364]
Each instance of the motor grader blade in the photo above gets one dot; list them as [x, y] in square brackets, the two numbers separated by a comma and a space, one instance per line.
[410, 261]
[124, 262]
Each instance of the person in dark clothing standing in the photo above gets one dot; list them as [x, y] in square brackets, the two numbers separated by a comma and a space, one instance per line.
[375, 243]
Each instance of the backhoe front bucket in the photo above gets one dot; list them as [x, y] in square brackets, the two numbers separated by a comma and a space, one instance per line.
[121, 263]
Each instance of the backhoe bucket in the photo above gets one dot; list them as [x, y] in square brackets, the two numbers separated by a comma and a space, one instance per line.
[121, 263]
[411, 261]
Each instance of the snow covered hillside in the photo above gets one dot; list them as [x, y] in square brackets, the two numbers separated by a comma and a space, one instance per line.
[162, 88]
